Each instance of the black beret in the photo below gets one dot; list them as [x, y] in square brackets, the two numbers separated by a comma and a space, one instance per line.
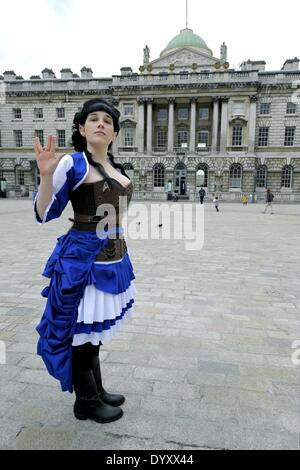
[98, 104]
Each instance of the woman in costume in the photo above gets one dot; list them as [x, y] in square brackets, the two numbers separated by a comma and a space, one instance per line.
[91, 290]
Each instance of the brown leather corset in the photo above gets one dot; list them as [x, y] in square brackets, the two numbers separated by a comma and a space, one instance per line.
[85, 201]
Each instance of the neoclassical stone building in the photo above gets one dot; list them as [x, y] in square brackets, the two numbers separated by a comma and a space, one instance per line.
[182, 112]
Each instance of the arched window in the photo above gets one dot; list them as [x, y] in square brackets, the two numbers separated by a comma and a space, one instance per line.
[286, 177]
[261, 176]
[129, 170]
[159, 176]
[204, 168]
[235, 176]
[19, 176]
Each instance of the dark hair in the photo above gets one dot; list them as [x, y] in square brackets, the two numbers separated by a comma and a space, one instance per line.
[79, 142]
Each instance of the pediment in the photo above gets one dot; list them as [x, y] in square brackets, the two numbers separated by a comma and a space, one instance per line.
[185, 57]
[128, 123]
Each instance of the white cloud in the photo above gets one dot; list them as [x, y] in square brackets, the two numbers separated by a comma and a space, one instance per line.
[108, 35]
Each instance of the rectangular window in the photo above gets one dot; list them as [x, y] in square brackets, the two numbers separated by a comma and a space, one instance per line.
[40, 134]
[128, 109]
[162, 114]
[291, 108]
[265, 108]
[183, 113]
[182, 139]
[163, 75]
[38, 113]
[237, 136]
[204, 114]
[238, 108]
[61, 138]
[203, 138]
[0, 140]
[60, 113]
[17, 112]
[162, 138]
[263, 136]
[128, 137]
[18, 138]
[289, 136]
[183, 75]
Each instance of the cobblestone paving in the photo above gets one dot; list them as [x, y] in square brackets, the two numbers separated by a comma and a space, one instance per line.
[206, 362]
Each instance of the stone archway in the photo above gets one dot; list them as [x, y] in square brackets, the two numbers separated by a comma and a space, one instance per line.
[180, 176]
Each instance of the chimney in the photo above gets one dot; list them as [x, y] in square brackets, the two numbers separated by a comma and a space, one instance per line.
[291, 64]
[126, 71]
[9, 75]
[86, 72]
[66, 73]
[253, 65]
[48, 74]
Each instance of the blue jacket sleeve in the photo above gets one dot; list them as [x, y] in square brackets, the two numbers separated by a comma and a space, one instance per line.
[63, 179]
[69, 174]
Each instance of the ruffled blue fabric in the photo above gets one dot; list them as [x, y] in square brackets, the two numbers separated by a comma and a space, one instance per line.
[98, 327]
[114, 278]
[70, 269]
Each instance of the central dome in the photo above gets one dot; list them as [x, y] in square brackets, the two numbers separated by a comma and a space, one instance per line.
[186, 38]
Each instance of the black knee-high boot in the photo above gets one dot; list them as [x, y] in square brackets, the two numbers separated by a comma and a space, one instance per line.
[88, 404]
[112, 399]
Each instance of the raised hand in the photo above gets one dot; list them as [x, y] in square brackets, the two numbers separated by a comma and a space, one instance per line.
[46, 159]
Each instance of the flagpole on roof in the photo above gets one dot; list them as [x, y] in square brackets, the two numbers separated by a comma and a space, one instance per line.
[186, 14]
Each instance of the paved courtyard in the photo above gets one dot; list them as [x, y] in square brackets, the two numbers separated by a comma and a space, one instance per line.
[206, 363]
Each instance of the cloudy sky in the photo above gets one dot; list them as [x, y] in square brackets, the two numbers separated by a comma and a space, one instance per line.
[107, 35]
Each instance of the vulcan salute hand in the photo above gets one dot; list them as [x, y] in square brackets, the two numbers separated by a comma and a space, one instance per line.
[47, 161]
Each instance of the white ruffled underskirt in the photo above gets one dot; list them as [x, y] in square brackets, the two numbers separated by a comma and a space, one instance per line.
[98, 306]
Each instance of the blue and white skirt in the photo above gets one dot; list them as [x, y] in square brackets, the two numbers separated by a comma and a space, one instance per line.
[101, 313]
[87, 301]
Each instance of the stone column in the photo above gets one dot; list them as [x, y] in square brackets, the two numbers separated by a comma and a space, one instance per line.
[171, 125]
[141, 125]
[193, 101]
[224, 124]
[252, 124]
[149, 125]
[215, 128]
[116, 144]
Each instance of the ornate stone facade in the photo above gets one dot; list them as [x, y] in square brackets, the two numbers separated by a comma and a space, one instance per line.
[183, 112]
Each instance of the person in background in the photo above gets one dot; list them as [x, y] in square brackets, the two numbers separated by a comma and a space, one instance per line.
[201, 194]
[216, 202]
[244, 199]
[269, 201]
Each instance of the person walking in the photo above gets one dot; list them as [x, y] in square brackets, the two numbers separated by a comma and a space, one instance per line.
[202, 193]
[91, 290]
[269, 201]
[244, 198]
[216, 202]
